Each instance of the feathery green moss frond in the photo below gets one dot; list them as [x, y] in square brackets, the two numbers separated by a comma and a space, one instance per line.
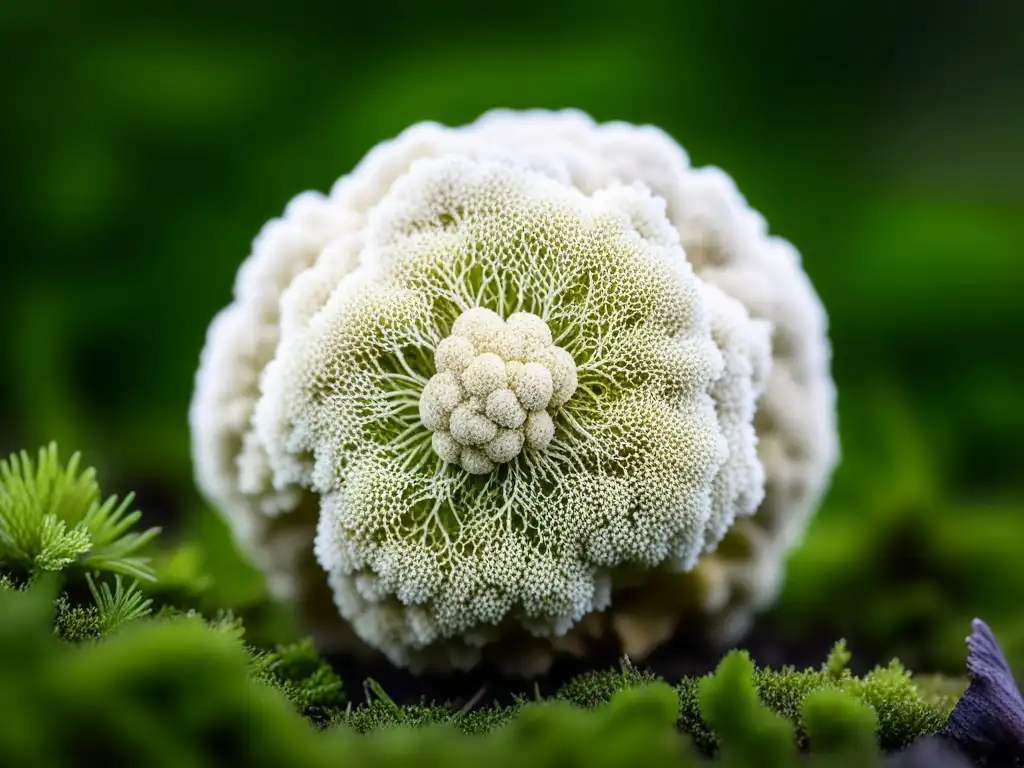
[120, 606]
[52, 518]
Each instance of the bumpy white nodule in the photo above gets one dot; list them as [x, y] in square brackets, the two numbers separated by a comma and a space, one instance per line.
[495, 382]
[344, 390]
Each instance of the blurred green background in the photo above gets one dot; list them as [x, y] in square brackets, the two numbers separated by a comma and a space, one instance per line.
[144, 147]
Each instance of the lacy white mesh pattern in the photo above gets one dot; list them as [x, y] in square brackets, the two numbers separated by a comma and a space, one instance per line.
[327, 252]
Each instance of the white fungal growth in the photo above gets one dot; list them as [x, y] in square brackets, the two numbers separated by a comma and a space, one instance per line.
[515, 383]
[531, 380]
[618, 476]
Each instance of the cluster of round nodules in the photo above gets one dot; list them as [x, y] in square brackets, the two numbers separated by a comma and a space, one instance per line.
[495, 385]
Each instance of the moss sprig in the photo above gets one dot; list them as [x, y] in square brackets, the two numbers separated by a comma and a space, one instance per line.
[53, 518]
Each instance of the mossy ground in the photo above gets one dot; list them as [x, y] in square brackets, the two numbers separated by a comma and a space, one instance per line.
[174, 686]
[96, 667]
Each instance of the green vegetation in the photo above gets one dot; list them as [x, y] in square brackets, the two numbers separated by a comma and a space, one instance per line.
[178, 691]
[895, 174]
[99, 672]
[52, 518]
[142, 157]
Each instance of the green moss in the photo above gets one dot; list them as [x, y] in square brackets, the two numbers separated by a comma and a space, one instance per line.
[941, 691]
[178, 689]
[775, 706]
[53, 518]
[54, 528]
[156, 693]
[742, 725]
[98, 676]
[903, 712]
[299, 672]
[594, 688]
[841, 728]
[108, 610]
[76, 624]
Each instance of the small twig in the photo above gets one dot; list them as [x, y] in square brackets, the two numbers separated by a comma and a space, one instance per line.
[473, 701]
[371, 686]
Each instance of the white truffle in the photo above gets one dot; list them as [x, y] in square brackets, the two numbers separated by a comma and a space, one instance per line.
[441, 395]
[337, 292]
[446, 447]
[540, 428]
[475, 461]
[564, 379]
[534, 387]
[503, 408]
[453, 354]
[478, 403]
[505, 446]
[471, 428]
[531, 330]
[480, 325]
[484, 374]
